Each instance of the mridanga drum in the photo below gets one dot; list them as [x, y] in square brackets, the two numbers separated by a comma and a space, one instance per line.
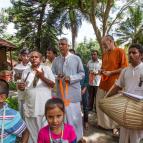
[125, 111]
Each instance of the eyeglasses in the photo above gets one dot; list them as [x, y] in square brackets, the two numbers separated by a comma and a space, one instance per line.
[62, 44]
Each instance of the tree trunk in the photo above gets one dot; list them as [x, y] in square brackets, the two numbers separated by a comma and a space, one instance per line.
[38, 40]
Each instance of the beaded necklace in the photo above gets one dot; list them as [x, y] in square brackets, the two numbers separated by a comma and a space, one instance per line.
[61, 138]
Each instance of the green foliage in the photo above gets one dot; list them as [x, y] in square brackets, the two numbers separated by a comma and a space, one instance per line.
[67, 15]
[3, 21]
[104, 14]
[12, 85]
[85, 49]
[131, 30]
[39, 22]
[34, 30]
[12, 102]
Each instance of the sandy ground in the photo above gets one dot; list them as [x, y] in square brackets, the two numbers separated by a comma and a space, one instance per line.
[95, 134]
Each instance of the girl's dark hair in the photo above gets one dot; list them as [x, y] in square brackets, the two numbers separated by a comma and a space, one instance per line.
[54, 102]
[137, 46]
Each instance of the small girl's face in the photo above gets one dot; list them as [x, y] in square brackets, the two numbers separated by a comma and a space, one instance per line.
[55, 118]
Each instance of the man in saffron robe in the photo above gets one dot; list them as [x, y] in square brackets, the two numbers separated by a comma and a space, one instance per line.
[113, 61]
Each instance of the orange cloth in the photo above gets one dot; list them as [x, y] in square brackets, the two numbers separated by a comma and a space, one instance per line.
[112, 60]
[91, 78]
[66, 101]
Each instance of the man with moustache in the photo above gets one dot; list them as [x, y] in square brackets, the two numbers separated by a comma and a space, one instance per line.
[17, 72]
[51, 54]
[94, 66]
[37, 82]
[68, 70]
[131, 81]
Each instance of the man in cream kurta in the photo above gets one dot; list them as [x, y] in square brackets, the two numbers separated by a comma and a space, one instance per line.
[36, 97]
[17, 72]
[131, 80]
[94, 65]
[69, 68]
[38, 82]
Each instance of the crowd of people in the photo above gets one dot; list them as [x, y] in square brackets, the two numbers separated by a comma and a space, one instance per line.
[51, 92]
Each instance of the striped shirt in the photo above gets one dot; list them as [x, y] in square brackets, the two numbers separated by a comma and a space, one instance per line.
[12, 124]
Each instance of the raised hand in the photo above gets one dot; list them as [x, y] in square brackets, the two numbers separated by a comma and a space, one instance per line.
[40, 73]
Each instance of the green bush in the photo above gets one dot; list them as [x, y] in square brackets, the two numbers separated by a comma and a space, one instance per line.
[12, 85]
[12, 102]
[85, 49]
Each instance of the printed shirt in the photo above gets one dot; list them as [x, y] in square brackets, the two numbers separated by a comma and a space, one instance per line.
[69, 135]
[13, 125]
[94, 66]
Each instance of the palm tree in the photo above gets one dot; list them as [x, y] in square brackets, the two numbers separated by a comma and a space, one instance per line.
[67, 15]
[104, 14]
[131, 30]
[72, 20]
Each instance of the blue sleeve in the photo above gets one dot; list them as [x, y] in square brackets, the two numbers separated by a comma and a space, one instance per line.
[85, 83]
[80, 73]
[17, 125]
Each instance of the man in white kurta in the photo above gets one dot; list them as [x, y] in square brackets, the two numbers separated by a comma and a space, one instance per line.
[17, 72]
[69, 68]
[38, 82]
[131, 80]
[51, 54]
[94, 65]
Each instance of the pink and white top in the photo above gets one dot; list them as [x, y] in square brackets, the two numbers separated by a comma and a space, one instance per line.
[69, 135]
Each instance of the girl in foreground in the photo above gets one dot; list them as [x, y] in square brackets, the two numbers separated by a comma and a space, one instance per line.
[56, 131]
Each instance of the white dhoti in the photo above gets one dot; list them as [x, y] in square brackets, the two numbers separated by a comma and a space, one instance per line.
[74, 118]
[130, 135]
[20, 107]
[34, 124]
[21, 96]
[34, 107]
[102, 119]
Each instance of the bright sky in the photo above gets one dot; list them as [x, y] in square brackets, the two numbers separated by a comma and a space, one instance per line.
[86, 29]
[4, 3]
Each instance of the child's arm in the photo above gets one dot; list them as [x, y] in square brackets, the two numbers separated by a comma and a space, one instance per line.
[25, 136]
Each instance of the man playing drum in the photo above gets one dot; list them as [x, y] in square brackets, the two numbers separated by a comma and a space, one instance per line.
[131, 80]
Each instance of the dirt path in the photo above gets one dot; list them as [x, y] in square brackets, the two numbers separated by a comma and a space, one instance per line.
[98, 135]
